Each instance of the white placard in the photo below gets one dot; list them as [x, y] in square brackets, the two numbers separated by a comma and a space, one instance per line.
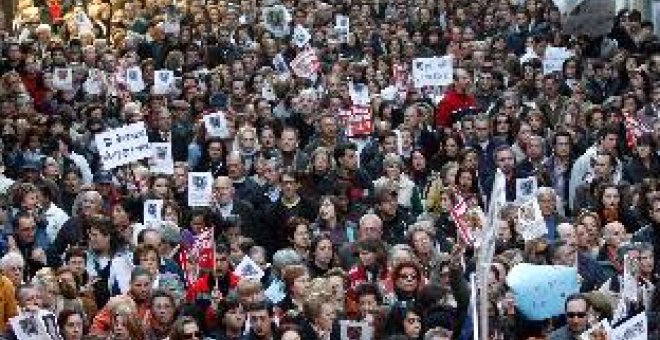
[301, 36]
[436, 71]
[636, 328]
[134, 80]
[82, 21]
[123, 145]
[216, 125]
[63, 79]
[280, 66]
[200, 189]
[41, 325]
[153, 213]
[359, 93]
[94, 82]
[342, 28]
[553, 59]
[306, 64]
[526, 188]
[531, 224]
[163, 81]
[389, 93]
[161, 159]
[355, 330]
[248, 269]
[267, 91]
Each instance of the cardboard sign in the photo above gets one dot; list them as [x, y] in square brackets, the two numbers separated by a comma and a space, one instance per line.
[152, 214]
[163, 82]
[540, 291]
[593, 17]
[123, 145]
[436, 71]
[553, 59]
[63, 79]
[216, 125]
[636, 328]
[531, 224]
[301, 36]
[359, 122]
[526, 188]
[306, 64]
[355, 330]
[200, 190]
[134, 81]
[161, 160]
[248, 269]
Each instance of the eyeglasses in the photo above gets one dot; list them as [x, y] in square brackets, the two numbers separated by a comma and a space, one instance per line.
[580, 315]
[193, 335]
[408, 276]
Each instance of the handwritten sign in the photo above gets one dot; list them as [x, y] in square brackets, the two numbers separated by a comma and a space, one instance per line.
[359, 123]
[636, 328]
[123, 145]
[540, 291]
[436, 71]
[200, 189]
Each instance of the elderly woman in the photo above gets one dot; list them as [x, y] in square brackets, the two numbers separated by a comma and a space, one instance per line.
[408, 195]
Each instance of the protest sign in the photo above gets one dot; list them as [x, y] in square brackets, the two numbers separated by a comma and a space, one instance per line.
[436, 71]
[276, 20]
[359, 93]
[216, 125]
[94, 82]
[359, 122]
[531, 224]
[306, 64]
[301, 36]
[82, 21]
[63, 79]
[152, 214]
[200, 189]
[341, 28]
[593, 17]
[163, 82]
[275, 292]
[123, 145]
[134, 81]
[540, 291]
[635, 328]
[526, 188]
[553, 59]
[388, 93]
[40, 325]
[280, 66]
[457, 213]
[355, 330]
[161, 160]
[248, 269]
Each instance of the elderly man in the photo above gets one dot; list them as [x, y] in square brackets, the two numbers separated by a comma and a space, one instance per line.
[11, 266]
[547, 199]
[614, 234]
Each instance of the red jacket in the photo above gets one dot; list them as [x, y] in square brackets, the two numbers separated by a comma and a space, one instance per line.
[450, 104]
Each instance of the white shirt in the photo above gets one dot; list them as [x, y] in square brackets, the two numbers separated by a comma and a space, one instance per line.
[5, 183]
[55, 217]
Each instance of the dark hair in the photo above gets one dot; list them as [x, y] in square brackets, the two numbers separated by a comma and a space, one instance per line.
[576, 297]
[369, 288]
[340, 150]
[257, 306]
[64, 316]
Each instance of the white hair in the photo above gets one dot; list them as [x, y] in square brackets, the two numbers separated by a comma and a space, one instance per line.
[12, 258]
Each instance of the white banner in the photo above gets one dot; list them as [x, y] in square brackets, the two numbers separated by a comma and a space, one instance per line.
[123, 145]
[200, 189]
[436, 71]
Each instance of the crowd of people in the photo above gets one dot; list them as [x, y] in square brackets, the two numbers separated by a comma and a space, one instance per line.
[321, 229]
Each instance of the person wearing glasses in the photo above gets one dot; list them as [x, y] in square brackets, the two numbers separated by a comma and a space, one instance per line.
[577, 308]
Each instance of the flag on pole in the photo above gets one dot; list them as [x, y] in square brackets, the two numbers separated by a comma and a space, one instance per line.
[457, 213]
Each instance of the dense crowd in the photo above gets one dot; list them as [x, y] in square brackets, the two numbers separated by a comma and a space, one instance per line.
[324, 222]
